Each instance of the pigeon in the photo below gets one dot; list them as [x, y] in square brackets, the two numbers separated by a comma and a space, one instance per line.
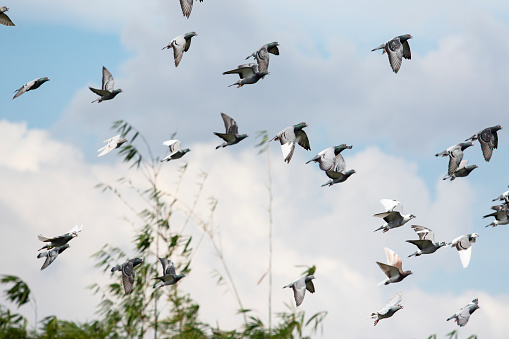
[426, 242]
[393, 269]
[501, 215]
[462, 171]
[187, 7]
[127, 269]
[337, 177]
[34, 84]
[397, 49]
[51, 255]
[107, 91]
[504, 197]
[4, 19]
[464, 246]
[488, 139]
[330, 159]
[169, 276]
[113, 143]
[391, 217]
[248, 74]
[175, 151]
[262, 55]
[463, 315]
[232, 136]
[455, 154]
[300, 286]
[180, 45]
[289, 137]
[60, 240]
[392, 306]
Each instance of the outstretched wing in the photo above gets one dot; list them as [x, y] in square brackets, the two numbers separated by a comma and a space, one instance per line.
[108, 82]
[302, 139]
[230, 124]
[393, 259]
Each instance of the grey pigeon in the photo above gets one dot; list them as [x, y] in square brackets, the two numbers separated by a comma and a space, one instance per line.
[393, 269]
[488, 139]
[107, 91]
[4, 19]
[392, 306]
[60, 240]
[455, 154]
[300, 286]
[392, 218]
[175, 151]
[289, 137]
[169, 276]
[232, 136]
[180, 45]
[127, 269]
[464, 246]
[396, 49]
[51, 255]
[248, 74]
[463, 170]
[114, 142]
[187, 7]
[503, 197]
[426, 242]
[34, 84]
[337, 177]
[501, 215]
[330, 159]
[463, 315]
[262, 55]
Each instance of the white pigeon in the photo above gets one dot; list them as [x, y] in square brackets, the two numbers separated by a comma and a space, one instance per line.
[393, 269]
[392, 217]
[175, 151]
[289, 137]
[180, 45]
[463, 315]
[113, 143]
[300, 286]
[464, 246]
[391, 307]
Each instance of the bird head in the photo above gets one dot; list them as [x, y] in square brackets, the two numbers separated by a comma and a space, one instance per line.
[243, 136]
[44, 79]
[466, 145]
[117, 91]
[184, 151]
[4, 9]
[310, 277]
[405, 37]
[350, 172]
[300, 126]
[412, 216]
[473, 237]
[340, 148]
[190, 35]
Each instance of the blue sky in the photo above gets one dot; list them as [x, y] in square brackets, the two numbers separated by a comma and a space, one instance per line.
[326, 75]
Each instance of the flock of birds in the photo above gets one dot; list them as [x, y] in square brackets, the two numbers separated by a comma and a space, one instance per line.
[329, 160]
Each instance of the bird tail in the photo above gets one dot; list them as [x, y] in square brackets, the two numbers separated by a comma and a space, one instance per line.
[328, 183]
[40, 255]
[451, 317]
[381, 283]
[413, 255]
[494, 224]
[116, 268]
[252, 55]
[379, 228]
[159, 284]
[379, 47]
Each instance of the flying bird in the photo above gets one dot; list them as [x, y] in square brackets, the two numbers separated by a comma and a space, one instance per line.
[175, 151]
[393, 269]
[426, 242]
[463, 315]
[232, 136]
[396, 49]
[504, 196]
[300, 286]
[488, 139]
[330, 159]
[169, 276]
[392, 306]
[4, 19]
[180, 45]
[187, 7]
[248, 74]
[455, 154]
[501, 215]
[51, 255]
[463, 170]
[114, 142]
[289, 137]
[107, 91]
[34, 84]
[464, 246]
[127, 269]
[60, 240]
[262, 55]
[337, 177]
[391, 217]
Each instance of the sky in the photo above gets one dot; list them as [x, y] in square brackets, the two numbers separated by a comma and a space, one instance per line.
[326, 75]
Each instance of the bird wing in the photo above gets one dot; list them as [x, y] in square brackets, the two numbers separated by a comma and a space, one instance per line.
[463, 316]
[288, 148]
[51, 255]
[24, 88]
[310, 287]
[112, 144]
[389, 204]
[230, 124]
[75, 229]
[339, 163]
[5, 20]
[299, 290]
[393, 259]
[455, 158]
[274, 50]
[170, 269]
[225, 137]
[334, 175]
[178, 50]
[164, 263]
[395, 53]
[302, 139]
[486, 139]
[128, 277]
[108, 82]
[244, 71]
[187, 45]
[390, 271]
[422, 244]
[389, 216]
[393, 301]
[174, 145]
[406, 50]
[424, 233]
[465, 256]
[187, 7]
[100, 92]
